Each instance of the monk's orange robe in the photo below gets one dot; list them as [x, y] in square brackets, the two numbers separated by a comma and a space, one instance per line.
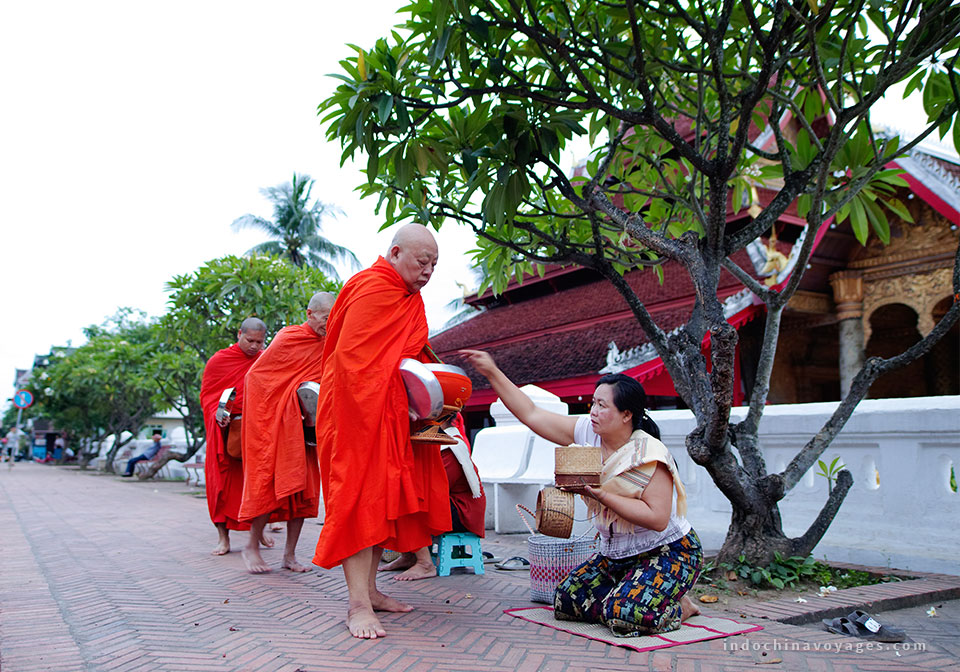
[378, 488]
[223, 474]
[280, 474]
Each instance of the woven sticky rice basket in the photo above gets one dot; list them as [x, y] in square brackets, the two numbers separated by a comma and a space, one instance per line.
[578, 465]
[552, 559]
[554, 516]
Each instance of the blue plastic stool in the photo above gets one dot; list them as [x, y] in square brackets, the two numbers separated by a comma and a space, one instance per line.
[452, 551]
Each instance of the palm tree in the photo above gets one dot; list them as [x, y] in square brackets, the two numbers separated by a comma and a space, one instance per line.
[295, 228]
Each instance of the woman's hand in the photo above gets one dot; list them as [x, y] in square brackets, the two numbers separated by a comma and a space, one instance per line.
[584, 490]
[481, 361]
[551, 426]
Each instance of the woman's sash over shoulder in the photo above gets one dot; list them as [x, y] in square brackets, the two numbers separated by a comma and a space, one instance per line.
[627, 472]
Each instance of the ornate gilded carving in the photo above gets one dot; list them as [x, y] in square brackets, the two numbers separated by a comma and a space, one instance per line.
[931, 236]
[847, 294]
[921, 292]
[810, 302]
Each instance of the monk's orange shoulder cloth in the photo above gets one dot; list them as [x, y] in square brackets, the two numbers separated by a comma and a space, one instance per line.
[378, 488]
[224, 476]
[279, 473]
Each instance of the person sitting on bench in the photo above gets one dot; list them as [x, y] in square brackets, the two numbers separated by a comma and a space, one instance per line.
[148, 454]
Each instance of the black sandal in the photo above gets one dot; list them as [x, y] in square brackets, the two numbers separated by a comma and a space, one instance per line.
[863, 626]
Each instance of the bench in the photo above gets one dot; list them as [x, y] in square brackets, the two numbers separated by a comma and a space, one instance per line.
[143, 465]
[120, 461]
[522, 488]
[514, 464]
[196, 467]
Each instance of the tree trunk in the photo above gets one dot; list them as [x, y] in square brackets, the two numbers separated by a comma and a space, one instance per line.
[112, 453]
[154, 468]
[755, 534]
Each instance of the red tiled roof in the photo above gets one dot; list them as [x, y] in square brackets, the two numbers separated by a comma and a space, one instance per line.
[564, 335]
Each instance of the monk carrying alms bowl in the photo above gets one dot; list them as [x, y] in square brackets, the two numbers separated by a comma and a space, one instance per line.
[436, 393]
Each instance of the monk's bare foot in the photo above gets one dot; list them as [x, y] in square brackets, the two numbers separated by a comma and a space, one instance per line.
[254, 562]
[688, 609]
[364, 624]
[383, 602]
[417, 572]
[223, 547]
[267, 540]
[290, 562]
[276, 527]
[405, 561]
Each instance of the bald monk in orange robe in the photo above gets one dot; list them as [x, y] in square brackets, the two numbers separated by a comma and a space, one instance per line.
[378, 488]
[281, 480]
[224, 474]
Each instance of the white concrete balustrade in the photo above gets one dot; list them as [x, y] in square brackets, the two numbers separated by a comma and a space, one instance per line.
[901, 511]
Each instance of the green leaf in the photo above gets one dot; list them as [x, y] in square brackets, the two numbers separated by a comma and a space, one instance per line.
[403, 117]
[899, 209]
[858, 220]
[439, 48]
[373, 166]
[878, 220]
[384, 108]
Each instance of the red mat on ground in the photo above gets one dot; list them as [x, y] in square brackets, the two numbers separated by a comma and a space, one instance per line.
[697, 629]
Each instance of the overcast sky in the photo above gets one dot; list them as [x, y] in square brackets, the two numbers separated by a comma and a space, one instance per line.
[132, 134]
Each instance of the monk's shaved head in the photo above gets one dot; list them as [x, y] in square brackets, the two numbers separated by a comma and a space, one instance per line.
[318, 310]
[413, 234]
[252, 324]
[252, 334]
[413, 254]
[321, 300]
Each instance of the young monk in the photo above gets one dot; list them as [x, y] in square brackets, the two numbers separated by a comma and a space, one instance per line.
[378, 489]
[224, 474]
[280, 473]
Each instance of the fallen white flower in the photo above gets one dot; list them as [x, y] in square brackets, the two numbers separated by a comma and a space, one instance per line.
[931, 612]
[800, 599]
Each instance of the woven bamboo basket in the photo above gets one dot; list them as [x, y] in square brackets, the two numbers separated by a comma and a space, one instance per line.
[578, 465]
[554, 515]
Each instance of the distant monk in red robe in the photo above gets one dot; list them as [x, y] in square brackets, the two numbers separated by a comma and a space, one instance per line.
[379, 489]
[224, 474]
[280, 473]
[468, 504]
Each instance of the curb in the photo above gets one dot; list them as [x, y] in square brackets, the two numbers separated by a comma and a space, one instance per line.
[923, 589]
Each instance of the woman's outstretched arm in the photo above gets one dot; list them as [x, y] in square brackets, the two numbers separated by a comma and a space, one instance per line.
[551, 426]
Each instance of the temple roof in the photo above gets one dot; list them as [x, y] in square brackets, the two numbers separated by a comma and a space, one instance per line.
[539, 333]
[559, 331]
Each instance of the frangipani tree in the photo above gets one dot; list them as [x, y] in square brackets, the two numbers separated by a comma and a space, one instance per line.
[463, 112]
[102, 388]
[204, 312]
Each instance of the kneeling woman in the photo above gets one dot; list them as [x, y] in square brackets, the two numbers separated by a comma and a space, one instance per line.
[649, 555]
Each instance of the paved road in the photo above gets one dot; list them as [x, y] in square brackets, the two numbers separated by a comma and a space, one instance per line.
[99, 573]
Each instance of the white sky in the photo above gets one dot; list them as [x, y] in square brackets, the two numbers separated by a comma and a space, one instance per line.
[132, 134]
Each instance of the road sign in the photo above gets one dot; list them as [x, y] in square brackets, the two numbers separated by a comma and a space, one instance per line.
[22, 399]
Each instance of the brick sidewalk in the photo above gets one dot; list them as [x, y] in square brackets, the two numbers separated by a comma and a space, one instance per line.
[98, 573]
